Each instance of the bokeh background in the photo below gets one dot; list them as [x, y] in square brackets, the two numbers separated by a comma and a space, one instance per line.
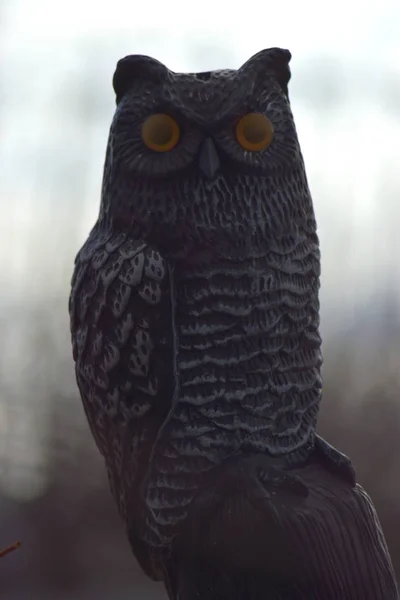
[56, 103]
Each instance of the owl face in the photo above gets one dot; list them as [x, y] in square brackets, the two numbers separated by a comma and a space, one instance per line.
[204, 106]
[183, 147]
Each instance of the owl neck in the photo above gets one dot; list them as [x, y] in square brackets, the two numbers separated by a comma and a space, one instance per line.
[249, 349]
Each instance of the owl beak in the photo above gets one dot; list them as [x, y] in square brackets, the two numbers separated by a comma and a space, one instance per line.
[208, 159]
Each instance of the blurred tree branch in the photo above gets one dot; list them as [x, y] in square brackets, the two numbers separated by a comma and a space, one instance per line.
[9, 549]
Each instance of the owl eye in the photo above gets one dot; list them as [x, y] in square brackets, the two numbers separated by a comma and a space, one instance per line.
[160, 132]
[254, 132]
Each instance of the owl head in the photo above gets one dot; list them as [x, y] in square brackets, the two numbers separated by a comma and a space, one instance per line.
[204, 157]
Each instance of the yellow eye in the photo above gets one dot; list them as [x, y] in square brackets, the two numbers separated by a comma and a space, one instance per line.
[254, 132]
[160, 132]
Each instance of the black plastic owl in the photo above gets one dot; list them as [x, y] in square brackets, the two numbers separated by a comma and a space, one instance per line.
[194, 305]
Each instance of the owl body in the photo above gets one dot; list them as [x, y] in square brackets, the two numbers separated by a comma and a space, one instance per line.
[194, 304]
[248, 360]
[195, 300]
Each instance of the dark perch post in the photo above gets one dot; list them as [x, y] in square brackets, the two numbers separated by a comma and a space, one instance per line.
[195, 328]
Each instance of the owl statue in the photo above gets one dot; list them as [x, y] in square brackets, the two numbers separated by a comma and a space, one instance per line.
[195, 330]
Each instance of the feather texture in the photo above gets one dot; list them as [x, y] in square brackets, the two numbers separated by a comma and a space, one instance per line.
[195, 330]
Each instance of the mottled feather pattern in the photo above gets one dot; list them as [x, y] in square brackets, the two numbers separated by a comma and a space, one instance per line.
[249, 364]
[245, 261]
[120, 319]
[194, 304]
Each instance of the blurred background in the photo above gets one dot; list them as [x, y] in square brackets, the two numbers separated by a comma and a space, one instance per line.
[56, 103]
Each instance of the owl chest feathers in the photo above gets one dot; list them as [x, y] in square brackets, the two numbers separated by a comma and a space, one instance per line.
[248, 346]
[248, 364]
[200, 358]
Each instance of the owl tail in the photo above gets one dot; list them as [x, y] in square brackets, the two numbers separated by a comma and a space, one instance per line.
[260, 533]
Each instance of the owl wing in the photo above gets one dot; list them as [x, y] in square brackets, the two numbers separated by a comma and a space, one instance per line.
[121, 327]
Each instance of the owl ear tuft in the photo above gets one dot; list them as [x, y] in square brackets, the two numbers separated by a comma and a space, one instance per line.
[273, 61]
[135, 68]
[280, 66]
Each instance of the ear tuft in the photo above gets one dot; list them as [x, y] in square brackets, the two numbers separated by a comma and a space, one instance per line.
[274, 61]
[280, 65]
[133, 68]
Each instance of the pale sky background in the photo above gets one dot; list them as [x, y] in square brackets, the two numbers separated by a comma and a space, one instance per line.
[49, 49]
[56, 63]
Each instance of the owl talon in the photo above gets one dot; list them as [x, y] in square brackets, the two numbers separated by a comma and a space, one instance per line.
[272, 477]
[330, 457]
[335, 461]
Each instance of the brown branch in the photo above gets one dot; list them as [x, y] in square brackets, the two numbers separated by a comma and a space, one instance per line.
[9, 549]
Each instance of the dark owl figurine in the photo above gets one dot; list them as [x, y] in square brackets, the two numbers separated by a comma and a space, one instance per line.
[194, 318]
